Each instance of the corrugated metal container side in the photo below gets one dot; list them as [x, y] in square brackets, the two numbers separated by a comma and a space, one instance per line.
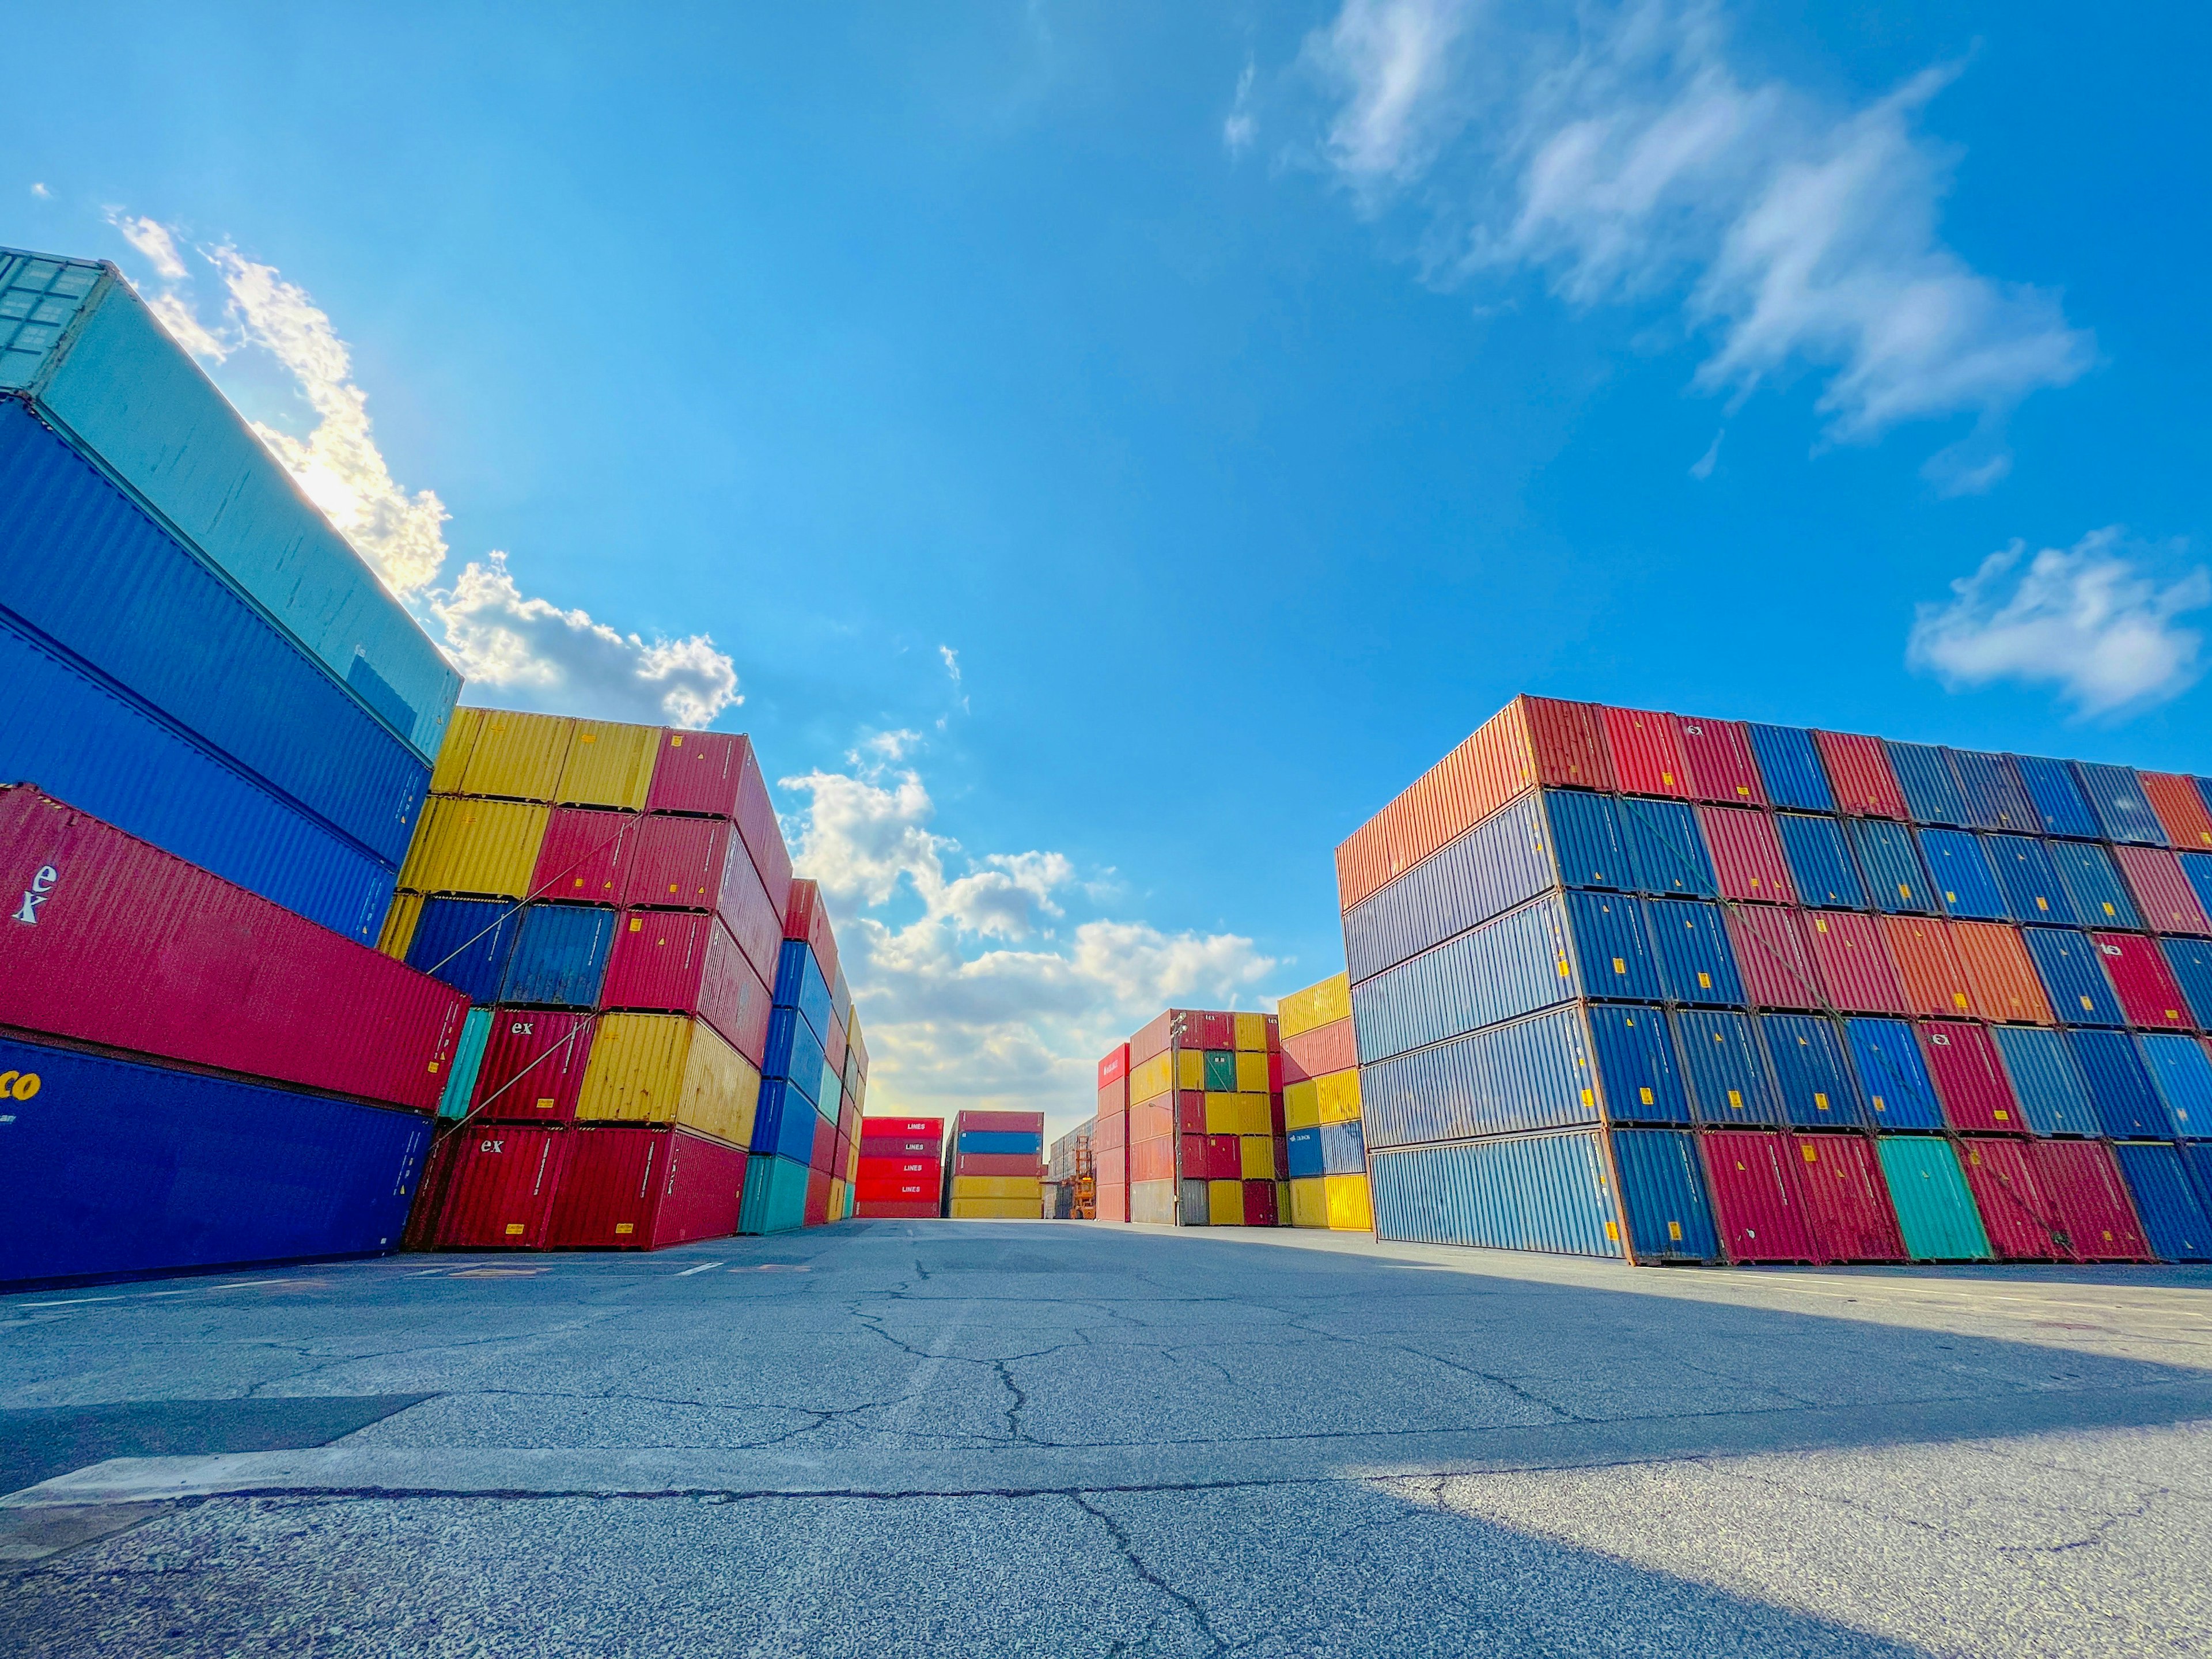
[610, 764]
[134, 949]
[1151, 1203]
[2092, 882]
[476, 848]
[2060, 805]
[1662, 1190]
[1931, 793]
[1821, 868]
[1894, 1074]
[2148, 993]
[2046, 1082]
[669, 1068]
[1342, 1151]
[1852, 962]
[1934, 1209]
[1330, 1047]
[560, 955]
[1755, 1197]
[468, 1059]
[584, 855]
[2032, 891]
[1896, 884]
[1502, 861]
[2127, 1106]
[87, 743]
[121, 1168]
[1813, 1072]
[754, 918]
[2179, 806]
[515, 756]
[533, 1065]
[1790, 768]
[2162, 894]
[2197, 869]
[775, 1197]
[1323, 1003]
[783, 1123]
[122, 389]
[1964, 880]
[500, 1180]
[1350, 1208]
[1859, 769]
[1721, 769]
[1969, 1081]
[2000, 979]
[1746, 857]
[1587, 849]
[2181, 1073]
[1995, 797]
[718, 773]
[678, 864]
[2020, 1221]
[800, 984]
[2080, 1178]
[2115, 794]
[1639, 1079]
[465, 942]
[399, 921]
[2073, 975]
[1612, 949]
[807, 917]
[1847, 1208]
[1935, 984]
[1301, 1150]
[1549, 1193]
[628, 1187]
[1529, 1074]
[1666, 852]
[2173, 1221]
[1517, 964]
[673, 962]
[1646, 749]
[1726, 1076]
[1770, 954]
[2189, 961]
[1696, 963]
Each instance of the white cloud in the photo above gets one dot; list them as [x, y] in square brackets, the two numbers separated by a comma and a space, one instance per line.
[2089, 620]
[152, 239]
[1702, 468]
[42, 192]
[1241, 126]
[1622, 156]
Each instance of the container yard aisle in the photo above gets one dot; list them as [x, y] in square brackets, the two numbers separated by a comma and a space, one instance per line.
[929, 1437]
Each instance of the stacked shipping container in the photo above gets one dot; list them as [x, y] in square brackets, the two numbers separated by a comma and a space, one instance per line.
[1110, 1136]
[997, 1166]
[1324, 1146]
[1189, 1130]
[902, 1170]
[1629, 984]
[1069, 1185]
[805, 1138]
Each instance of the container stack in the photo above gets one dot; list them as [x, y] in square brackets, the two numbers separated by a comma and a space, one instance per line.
[1629, 984]
[803, 1114]
[996, 1171]
[605, 896]
[901, 1170]
[1206, 1121]
[850, 1117]
[1326, 1154]
[1110, 1135]
[1070, 1184]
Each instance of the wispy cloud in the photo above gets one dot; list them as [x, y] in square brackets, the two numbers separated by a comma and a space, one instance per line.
[1617, 151]
[2090, 620]
[1702, 468]
[1241, 126]
[951, 660]
[42, 192]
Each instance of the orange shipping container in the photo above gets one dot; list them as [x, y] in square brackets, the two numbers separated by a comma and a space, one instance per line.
[2179, 808]
[2000, 978]
[1152, 1120]
[1934, 982]
[1153, 1160]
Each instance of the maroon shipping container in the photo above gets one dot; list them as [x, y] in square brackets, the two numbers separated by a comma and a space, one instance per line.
[1846, 1200]
[584, 855]
[754, 918]
[681, 962]
[715, 773]
[2139, 973]
[2083, 1183]
[1317, 1053]
[1190, 1112]
[1001, 1122]
[998, 1164]
[2022, 1223]
[2169, 904]
[1860, 773]
[134, 949]
[1747, 856]
[1970, 1078]
[816, 1213]
[932, 1128]
[1721, 771]
[1853, 962]
[1213, 1157]
[849, 1123]
[1215, 1030]
[1770, 954]
[833, 1048]
[1647, 752]
[1755, 1197]
[1260, 1204]
[633, 1187]
[501, 1183]
[1115, 1067]
[899, 1146]
[806, 915]
[920, 1209]
[533, 1065]
[822, 1159]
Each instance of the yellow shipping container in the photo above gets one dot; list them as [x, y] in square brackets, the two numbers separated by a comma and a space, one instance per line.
[609, 764]
[1259, 1115]
[1314, 1007]
[400, 925]
[1349, 1210]
[1310, 1202]
[997, 1209]
[1258, 1152]
[1224, 1114]
[1252, 1033]
[487, 847]
[1028, 1186]
[1155, 1077]
[1337, 1096]
[1251, 1071]
[1224, 1203]
[453, 753]
[669, 1068]
[1301, 1105]
[836, 1199]
[1190, 1068]
[518, 756]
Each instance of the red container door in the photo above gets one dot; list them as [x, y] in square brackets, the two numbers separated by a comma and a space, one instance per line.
[1647, 752]
[1846, 1200]
[584, 855]
[1259, 1203]
[678, 864]
[1217, 1031]
[2084, 1185]
[504, 1187]
[920, 1128]
[2022, 1224]
[611, 1189]
[2139, 973]
[1853, 962]
[1755, 1198]
[1190, 1111]
[1935, 984]
[1970, 1080]
[816, 1213]
[1016, 1123]
[1747, 856]
[659, 959]
[1225, 1158]
[2169, 904]
[1770, 954]
[533, 1065]
[700, 1190]
[1721, 771]
[821, 1158]
[1860, 773]
[1566, 740]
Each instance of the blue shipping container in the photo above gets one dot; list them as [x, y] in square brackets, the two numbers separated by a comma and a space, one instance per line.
[1790, 766]
[2116, 796]
[1696, 961]
[1728, 1082]
[1614, 957]
[2092, 882]
[783, 1123]
[1001, 1143]
[1662, 1186]
[2032, 890]
[1532, 1073]
[1586, 840]
[1900, 1095]
[1638, 1080]
[1667, 851]
[792, 1052]
[1301, 1148]
[1964, 880]
[2181, 1071]
[560, 955]
[2197, 866]
[2073, 975]
[2165, 1202]
[87, 743]
[2190, 959]
[1502, 862]
[1342, 1151]
[1896, 883]
[2045, 1080]
[1995, 797]
[107, 374]
[1812, 1070]
[1515, 964]
[1552, 1193]
[465, 943]
[1931, 793]
[2060, 804]
[122, 1168]
[2128, 1107]
[1819, 864]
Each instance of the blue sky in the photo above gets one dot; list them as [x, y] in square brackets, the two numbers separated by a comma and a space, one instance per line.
[1110, 449]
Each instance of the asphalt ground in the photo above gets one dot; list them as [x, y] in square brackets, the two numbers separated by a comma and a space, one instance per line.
[977, 1438]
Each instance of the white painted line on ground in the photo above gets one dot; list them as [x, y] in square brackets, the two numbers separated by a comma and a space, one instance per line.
[148, 1296]
[703, 1267]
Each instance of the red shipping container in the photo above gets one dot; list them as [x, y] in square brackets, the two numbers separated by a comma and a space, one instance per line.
[1755, 1197]
[1153, 1160]
[1110, 1133]
[1770, 954]
[997, 1163]
[2169, 904]
[1000, 1123]
[882, 1210]
[678, 962]
[2139, 973]
[134, 949]
[1113, 1200]
[1860, 773]
[822, 1159]
[500, 1182]
[2180, 807]
[849, 1123]
[1970, 1080]
[1152, 1120]
[755, 920]
[1259, 1203]
[806, 915]
[1719, 755]
[2022, 1223]
[1115, 1067]
[1934, 983]
[1274, 1033]
[2083, 1183]
[715, 773]
[816, 1213]
[632, 1186]
[1190, 1112]
[1319, 1052]
[1225, 1158]
[676, 864]
[1647, 752]
[895, 1189]
[833, 1049]
[533, 1065]
[899, 1169]
[1215, 1030]
[1114, 1097]
[1747, 856]
[932, 1128]
[1852, 959]
[1275, 1071]
[1846, 1200]
[584, 855]
[898, 1146]
[1154, 1039]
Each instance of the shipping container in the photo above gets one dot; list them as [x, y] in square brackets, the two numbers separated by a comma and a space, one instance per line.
[2032, 891]
[2189, 961]
[1533, 1073]
[1719, 757]
[800, 984]
[775, 1195]
[1316, 1052]
[1151, 1203]
[807, 916]
[1755, 1197]
[1970, 1080]
[1859, 771]
[681, 963]
[1747, 856]
[2128, 1107]
[1821, 868]
[629, 1187]
[678, 864]
[718, 774]
[2000, 978]
[609, 764]
[1894, 1074]
[2052, 1094]
[2116, 795]
[2020, 1220]
[1696, 963]
[498, 1186]
[1931, 793]
[2179, 806]
[584, 855]
[2174, 1220]
[1935, 1214]
[1553, 1192]
[1349, 1208]
[1995, 797]
[1770, 954]
[468, 1061]
[1666, 850]
[669, 1068]
[2073, 975]
[2197, 869]
[2060, 805]
[1847, 1208]
[1896, 883]
[2181, 1073]
[1662, 1188]
[1790, 768]
[1317, 1006]
[1726, 1074]
[465, 942]
[2080, 1179]
[1646, 751]
[475, 848]
[2148, 993]
[1812, 1071]
[1852, 962]
[506, 754]
[2092, 882]
[1964, 880]
[2164, 897]
[1935, 984]
[533, 1065]
[560, 955]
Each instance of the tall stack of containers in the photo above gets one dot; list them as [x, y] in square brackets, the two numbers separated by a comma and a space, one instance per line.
[1065, 1162]
[901, 1170]
[1324, 1148]
[1110, 1135]
[849, 1120]
[1626, 983]
[607, 895]
[1205, 1122]
[996, 1169]
[795, 1133]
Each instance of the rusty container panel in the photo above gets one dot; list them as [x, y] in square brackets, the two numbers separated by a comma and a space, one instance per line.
[1646, 749]
[1756, 1200]
[1770, 954]
[2001, 977]
[1859, 768]
[2083, 1184]
[1853, 960]
[1746, 856]
[1934, 983]
[1970, 1078]
[1722, 768]
[1846, 1200]
[2022, 1223]
[2169, 904]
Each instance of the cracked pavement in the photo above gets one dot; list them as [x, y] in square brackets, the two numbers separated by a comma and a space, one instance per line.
[935, 1437]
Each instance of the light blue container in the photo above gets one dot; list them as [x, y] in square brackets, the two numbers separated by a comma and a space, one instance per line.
[1342, 1151]
[1528, 1074]
[775, 1194]
[1553, 1192]
[468, 1061]
[2181, 1071]
[2173, 1221]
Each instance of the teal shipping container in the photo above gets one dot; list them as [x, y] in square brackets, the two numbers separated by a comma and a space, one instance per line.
[1935, 1211]
[468, 1061]
[774, 1196]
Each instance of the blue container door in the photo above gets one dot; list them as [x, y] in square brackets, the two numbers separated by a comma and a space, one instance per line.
[1790, 766]
[465, 943]
[1726, 1075]
[1662, 1190]
[1001, 1143]
[1696, 963]
[2093, 881]
[1586, 840]
[1613, 947]
[2116, 796]
[560, 955]
[1896, 884]
[1820, 863]
[2060, 805]
[2181, 1071]
[1996, 797]
[2127, 1105]
[1963, 881]
[2073, 977]
[2191, 961]
[2048, 1085]
[2173, 1217]
[1811, 1068]
[1932, 794]
[2197, 866]
[1342, 1150]
[1666, 850]
[1637, 1078]
[1894, 1075]
[1304, 1147]
[2032, 892]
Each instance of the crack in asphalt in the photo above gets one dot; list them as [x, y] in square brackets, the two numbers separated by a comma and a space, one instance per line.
[1138, 1566]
